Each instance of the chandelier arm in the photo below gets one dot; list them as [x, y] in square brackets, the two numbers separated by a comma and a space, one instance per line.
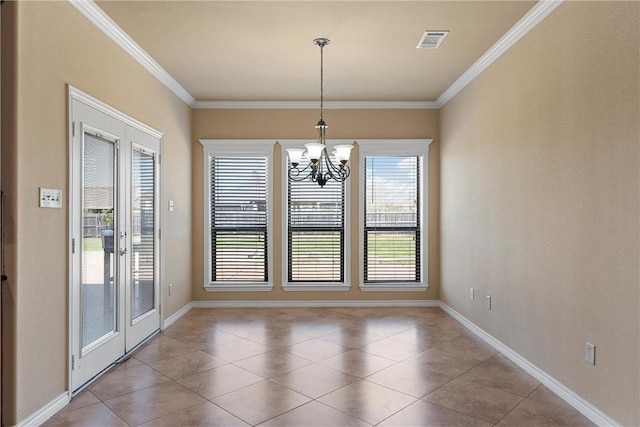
[337, 173]
[298, 175]
[341, 174]
[332, 167]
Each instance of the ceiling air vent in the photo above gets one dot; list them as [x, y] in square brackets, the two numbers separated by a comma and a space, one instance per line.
[432, 39]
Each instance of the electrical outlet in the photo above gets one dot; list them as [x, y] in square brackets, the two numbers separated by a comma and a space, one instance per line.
[591, 353]
[488, 302]
[472, 294]
[170, 289]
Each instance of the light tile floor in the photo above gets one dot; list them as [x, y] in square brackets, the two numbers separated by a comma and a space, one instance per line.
[317, 367]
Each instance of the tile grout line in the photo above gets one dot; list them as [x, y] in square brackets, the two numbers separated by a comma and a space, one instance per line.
[517, 404]
[166, 415]
[114, 413]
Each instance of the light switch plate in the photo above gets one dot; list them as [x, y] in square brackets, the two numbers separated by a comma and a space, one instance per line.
[50, 198]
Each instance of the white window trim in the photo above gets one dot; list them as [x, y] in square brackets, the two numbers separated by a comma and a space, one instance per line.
[397, 147]
[314, 286]
[241, 148]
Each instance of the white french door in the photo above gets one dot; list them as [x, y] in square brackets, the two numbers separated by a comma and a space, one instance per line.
[115, 239]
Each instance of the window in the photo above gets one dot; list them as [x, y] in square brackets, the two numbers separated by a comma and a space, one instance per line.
[238, 215]
[314, 239]
[393, 218]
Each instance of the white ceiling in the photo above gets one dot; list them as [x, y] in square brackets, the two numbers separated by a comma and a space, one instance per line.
[263, 50]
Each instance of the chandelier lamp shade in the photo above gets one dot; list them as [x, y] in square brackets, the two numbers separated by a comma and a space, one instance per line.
[321, 168]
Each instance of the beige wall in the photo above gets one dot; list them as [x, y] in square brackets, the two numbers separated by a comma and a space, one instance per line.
[540, 200]
[58, 46]
[295, 124]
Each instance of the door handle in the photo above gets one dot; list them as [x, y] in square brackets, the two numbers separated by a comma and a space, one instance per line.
[123, 251]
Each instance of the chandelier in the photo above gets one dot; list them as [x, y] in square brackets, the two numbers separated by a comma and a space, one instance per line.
[321, 168]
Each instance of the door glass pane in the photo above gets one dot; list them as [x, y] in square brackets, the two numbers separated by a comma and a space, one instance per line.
[143, 239]
[97, 291]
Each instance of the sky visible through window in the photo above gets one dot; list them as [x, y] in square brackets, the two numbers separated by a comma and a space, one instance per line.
[391, 182]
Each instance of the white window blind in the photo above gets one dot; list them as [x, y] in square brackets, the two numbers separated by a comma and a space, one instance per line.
[239, 219]
[315, 236]
[392, 219]
[143, 177]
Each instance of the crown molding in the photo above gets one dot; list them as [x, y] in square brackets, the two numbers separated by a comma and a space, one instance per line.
[533, 17]
[314, 105]
[101, 20]
[529, 21]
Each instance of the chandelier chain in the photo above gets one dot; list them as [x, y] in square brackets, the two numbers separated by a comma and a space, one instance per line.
[322, 82]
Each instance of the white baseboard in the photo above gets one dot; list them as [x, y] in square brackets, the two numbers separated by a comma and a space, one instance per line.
[46, 412]
[321, 303]
[175, 316]
[573, 399]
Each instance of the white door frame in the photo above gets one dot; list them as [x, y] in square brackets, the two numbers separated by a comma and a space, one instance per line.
[75, 94]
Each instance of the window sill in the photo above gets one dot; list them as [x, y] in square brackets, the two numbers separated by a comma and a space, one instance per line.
[239, 287]
[395, 287]
[316, 287]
